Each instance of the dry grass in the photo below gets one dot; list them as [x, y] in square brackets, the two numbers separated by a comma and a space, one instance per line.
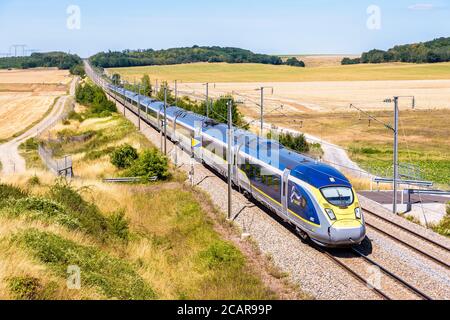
[20, 110]
[38, 75]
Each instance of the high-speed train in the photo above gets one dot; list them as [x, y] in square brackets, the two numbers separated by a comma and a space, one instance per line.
[314, 197]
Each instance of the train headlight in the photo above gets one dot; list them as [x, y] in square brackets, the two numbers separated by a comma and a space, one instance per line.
[358, 212]
[330, 213]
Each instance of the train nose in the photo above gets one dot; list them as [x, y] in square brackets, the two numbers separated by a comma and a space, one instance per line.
[345, 233]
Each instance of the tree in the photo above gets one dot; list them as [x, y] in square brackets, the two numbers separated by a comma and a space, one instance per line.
[147, 89]
[294, 62]
[116, 79]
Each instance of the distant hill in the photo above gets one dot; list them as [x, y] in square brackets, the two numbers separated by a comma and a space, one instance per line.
[128, 58]
[437, 50]
[60, 60]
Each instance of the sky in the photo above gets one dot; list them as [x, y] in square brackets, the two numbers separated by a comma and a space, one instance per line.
[272, 27]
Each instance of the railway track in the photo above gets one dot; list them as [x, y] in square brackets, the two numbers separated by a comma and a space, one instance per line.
[418, 238]
[396, 285]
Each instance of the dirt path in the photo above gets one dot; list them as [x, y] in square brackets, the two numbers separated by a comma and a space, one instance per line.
[10, 158]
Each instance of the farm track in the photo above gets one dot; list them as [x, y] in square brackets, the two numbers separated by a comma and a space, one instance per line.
[429, 248]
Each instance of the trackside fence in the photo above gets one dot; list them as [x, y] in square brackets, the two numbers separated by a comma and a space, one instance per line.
[61, 167]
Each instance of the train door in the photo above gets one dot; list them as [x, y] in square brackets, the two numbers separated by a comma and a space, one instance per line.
[285, 191]
[236, 165]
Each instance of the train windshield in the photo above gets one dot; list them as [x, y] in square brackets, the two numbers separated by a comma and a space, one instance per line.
[338, 196]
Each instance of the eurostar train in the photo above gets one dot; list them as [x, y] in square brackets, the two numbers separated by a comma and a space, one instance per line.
[314, 197]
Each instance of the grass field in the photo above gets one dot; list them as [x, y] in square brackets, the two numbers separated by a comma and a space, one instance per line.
[423, 139]
[223, 72]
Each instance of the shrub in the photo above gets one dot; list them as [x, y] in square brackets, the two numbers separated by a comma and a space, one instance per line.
[29, 144]
[118, 225]
[124, 156]
[88, 214]
[11, 192]
[97, 154]
[34, 181]
[43, 209]
[222, 254]
[75, 116]
[116, 278]
[150, 164]
[24, 287]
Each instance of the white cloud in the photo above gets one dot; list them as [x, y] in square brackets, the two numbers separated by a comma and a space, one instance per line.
[422, 6]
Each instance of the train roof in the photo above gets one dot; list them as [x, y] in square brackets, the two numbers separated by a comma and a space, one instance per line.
[269, 151]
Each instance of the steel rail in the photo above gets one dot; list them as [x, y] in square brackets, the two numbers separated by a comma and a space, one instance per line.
[413, 289]
[435, 243]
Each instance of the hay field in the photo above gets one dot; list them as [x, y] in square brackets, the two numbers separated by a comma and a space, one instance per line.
[248, 72]
[26, 96]
[38, 75]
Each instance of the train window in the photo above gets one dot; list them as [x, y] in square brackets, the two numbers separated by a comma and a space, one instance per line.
[338, 196]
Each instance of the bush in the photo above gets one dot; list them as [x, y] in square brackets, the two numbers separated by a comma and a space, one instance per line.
[222, 254]
[124, 156]
[29, 144]
[294, 62]
[150, 164]
[97, 101]
[88, 214]
[8, 192]
[24, 287]
[118, 225]
[116, 278]
[34, 181]
[347, 61]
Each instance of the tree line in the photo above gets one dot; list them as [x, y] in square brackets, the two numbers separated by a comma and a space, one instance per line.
[437, 50]
[60, 60]
[131, 58]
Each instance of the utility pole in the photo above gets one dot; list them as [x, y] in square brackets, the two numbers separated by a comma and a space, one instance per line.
[165, 120]
[230, 154]
[156, 86]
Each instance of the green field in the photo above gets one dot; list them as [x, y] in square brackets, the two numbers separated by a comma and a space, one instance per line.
[223, 72]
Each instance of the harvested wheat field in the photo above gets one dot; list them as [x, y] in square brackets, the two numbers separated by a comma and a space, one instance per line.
[38, 75]
[329, 96]
[26, 96]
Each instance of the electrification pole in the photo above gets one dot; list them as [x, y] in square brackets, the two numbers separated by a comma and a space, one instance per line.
[176, 94]
[230, 154]
[207, 98]
[262, 111]
[262, 108]
[139, 106]
[165, 119]
[395, 153]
